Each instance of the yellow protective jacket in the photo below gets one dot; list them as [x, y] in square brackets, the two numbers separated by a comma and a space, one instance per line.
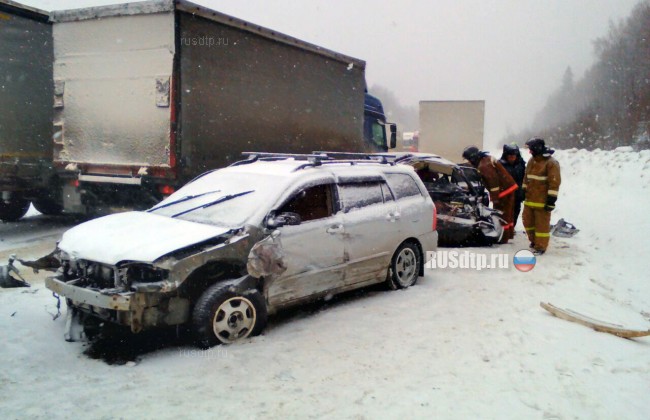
[542, 179]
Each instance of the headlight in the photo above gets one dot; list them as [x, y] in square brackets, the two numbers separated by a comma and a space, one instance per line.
[142, 273]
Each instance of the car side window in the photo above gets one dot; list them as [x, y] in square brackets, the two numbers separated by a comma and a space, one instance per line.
[403, 185]
[355, 196]
[311, 203]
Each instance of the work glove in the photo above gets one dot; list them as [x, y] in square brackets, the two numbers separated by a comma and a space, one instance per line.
[550, 203]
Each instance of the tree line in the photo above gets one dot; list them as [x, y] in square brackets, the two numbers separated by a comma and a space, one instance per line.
[610, 105]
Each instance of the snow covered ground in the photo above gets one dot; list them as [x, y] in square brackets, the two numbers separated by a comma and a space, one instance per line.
[33, 232]
[460, 344]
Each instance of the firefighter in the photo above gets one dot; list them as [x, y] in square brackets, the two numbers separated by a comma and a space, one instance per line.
[541, 186]
[499, 183]
[516, 166]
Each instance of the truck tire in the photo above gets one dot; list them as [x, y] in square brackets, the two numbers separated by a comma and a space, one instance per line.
[14, 209]
[48, 206]
[225, 315]
[404, 266]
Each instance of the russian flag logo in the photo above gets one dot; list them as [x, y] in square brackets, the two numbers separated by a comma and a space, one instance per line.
[524, 260]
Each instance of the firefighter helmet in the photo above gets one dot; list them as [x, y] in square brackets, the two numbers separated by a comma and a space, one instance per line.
[472, 154]
[536, 145]
[510, 149]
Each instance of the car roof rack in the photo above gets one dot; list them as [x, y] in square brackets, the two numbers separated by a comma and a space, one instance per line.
[390, 158]
[316, 158]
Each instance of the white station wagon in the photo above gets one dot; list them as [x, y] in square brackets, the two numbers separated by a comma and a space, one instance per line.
[239, 243]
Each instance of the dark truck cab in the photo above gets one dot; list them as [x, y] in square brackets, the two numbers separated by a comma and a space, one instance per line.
[374, 126]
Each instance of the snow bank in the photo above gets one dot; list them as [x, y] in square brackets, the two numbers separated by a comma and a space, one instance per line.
[460, 344]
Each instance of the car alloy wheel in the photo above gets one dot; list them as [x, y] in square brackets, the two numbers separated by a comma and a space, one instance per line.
[234, 319]
[405, 266]
[225, 314]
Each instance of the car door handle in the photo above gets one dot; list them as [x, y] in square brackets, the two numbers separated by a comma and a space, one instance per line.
[392, 216]
[335, 229]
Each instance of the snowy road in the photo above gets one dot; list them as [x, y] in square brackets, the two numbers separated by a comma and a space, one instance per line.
[32, 237]
[460, 344]
[33, 228]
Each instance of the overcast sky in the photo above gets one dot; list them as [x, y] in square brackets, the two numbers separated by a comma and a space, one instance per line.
[511, 53]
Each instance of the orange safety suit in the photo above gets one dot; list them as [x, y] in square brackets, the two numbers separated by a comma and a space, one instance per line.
[501, 187]
[541, 185]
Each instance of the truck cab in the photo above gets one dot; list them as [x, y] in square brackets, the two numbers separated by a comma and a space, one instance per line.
[374, 126]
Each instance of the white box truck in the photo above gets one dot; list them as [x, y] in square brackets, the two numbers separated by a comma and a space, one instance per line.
[447, 127]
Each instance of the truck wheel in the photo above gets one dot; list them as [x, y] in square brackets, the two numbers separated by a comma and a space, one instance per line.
[48, 206]
[404, 266]
[13, 210]
[224, 315]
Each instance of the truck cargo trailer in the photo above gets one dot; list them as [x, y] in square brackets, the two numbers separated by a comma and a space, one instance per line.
[149, 95]
[26, 171]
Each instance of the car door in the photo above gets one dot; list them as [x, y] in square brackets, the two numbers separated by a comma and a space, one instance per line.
[414, 205]
[370, 218]
[314, 251]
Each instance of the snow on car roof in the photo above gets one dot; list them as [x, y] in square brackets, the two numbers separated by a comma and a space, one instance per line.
[292, 168]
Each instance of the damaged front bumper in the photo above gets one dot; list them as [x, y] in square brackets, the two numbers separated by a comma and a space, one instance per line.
[137, 310]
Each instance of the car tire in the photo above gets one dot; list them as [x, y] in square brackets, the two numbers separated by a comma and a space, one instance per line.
[48, 207]
[225, 315]
[404, 266]
[13, 210]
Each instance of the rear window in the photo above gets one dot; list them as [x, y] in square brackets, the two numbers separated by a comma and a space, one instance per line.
[403, 185]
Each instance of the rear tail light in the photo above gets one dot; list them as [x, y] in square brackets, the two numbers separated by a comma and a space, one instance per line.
[74, 183]
[159, 172]
[434, 223]
[166, 189]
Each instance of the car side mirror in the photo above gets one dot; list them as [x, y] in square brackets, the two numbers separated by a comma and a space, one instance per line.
[284, 219]
[393, 136]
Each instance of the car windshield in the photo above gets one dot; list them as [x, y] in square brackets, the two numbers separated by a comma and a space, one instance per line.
[221, 198]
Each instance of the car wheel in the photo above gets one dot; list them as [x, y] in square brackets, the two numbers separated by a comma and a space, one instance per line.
[223, 315]
[14, 209]
[404, 266]
[48, 207]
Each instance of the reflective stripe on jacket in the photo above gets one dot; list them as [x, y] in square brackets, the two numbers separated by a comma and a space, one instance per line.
[542, 179]
[497, 180]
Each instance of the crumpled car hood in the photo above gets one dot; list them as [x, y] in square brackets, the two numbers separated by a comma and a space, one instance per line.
[133, 236]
